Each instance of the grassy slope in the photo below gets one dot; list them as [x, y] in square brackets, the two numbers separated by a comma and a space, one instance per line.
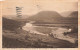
[24, 39]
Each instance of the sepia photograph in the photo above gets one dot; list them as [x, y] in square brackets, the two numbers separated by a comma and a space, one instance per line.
[40, 24]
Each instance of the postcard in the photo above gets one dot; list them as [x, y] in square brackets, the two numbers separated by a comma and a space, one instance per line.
[39, 25]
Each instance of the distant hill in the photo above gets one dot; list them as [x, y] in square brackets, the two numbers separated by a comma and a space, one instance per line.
[53, 18]
[73, 17]
[45, 17]
[74, 14]
[66, 13]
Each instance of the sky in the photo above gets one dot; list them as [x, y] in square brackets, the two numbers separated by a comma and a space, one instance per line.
[31, 7]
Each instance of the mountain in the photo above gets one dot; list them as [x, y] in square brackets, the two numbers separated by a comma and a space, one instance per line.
[73, 17]
[74, 14]
[53, 18]
[66, 13]
[45, 17]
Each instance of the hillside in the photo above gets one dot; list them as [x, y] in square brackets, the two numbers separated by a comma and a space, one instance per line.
[10, 24]
[66, 13]
[73, 17]
[74, 14]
